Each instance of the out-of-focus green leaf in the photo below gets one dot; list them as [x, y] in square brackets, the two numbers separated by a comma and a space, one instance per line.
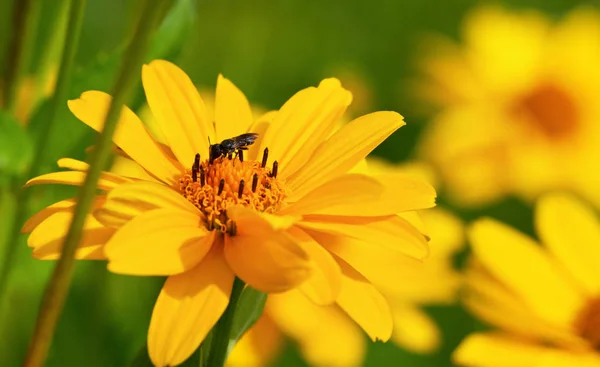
[248, 311]
[15, 146]
[173, 31]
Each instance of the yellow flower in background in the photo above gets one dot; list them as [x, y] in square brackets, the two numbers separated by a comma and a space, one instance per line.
[544, 300]
[518, 106]
[326, 336]
[278, 216]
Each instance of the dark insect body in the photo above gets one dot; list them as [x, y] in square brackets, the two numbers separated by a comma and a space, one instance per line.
[230, 146]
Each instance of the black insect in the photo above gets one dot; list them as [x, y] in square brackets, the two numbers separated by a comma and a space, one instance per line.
[230, 146]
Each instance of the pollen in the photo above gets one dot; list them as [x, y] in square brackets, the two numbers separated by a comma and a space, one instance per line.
[214, 187]
[588, 322]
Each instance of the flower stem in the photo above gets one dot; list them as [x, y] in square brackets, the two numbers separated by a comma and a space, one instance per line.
[222, 331]
[58, 286]
[26, 19]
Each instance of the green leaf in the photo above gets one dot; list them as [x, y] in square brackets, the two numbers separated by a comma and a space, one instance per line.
[15, 146]
[249, 309]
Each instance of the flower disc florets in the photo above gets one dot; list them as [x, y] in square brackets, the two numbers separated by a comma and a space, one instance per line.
[214, 187]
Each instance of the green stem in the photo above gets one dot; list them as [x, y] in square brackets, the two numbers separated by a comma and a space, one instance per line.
[222, 331]
[60, 95]
[26, 18]
[58, 286]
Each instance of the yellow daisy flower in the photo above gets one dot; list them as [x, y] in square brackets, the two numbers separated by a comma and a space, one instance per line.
[544, 300]
[326, 336]
[518, 106]
[203, 219]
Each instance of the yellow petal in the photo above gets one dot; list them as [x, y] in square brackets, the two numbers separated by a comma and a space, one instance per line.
[106, 182]
[522, 265]
[571, 231]
[131, 134]
[126, 167]
[158, 242]
[344, 149]
[48, 236]
[402, 193]
[248, 220]
[260, 126]
[233, 115]
[128, 201]
[392, 232]
[266, 259]
[258, 347]
[73, 164]
[365, 304]
[348, 194]
[187, 308]
[326, 336]
[382, 264]
[414, 329]
[178, 108]
[324, 284]
[303, 122]
[477, 349]
[39, 217]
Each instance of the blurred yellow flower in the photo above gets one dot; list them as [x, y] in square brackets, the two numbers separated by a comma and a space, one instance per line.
[327, 337]
[277, 216]
[30, 93]
[545, 300]
[519, 106]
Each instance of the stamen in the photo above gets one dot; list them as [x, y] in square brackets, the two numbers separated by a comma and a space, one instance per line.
[241, 189]
[265, 157]
[274, 171]
[241, 155]
[221, 186]
[202, 176]
[230, 156]
[254, 182]
[196, 167]
[231, 228]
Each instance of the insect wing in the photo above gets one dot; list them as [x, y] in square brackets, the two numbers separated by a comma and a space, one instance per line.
[245, 139]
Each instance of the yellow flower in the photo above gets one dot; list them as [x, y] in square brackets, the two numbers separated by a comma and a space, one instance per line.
[545, 300]
[518, 106]
[276, 216]
[326, 336]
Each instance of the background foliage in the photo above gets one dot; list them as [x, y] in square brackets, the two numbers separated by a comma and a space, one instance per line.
[270, 50]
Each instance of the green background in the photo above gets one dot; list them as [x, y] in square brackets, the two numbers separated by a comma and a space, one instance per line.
[268, 49]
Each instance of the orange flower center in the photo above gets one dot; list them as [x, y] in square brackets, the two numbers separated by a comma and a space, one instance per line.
[551, 111]
[588, 322]
[214, 187]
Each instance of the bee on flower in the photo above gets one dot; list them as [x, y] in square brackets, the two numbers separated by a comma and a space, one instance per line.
[517, 106]
[278, 218]
[541, 298]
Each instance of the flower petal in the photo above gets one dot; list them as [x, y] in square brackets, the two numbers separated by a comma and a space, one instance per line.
[158, 242]
[179, 109]
[48, 236]
[248, 220]
[267, 259]
[344, 149]
[61, 206]
[260, 126]
[126, 167]
[324, 284]
[571, 231]
[187, 308]
[258, 347]
[131, 135]
[106, 182]
[392, 232]
[381, 264]
[326, 335]
[477, 349]
[414, 329]
[345, 195]
[233, 115]
[128, 201]
[303, 122]
[364, 304]
[402, 193]
[522, 265]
